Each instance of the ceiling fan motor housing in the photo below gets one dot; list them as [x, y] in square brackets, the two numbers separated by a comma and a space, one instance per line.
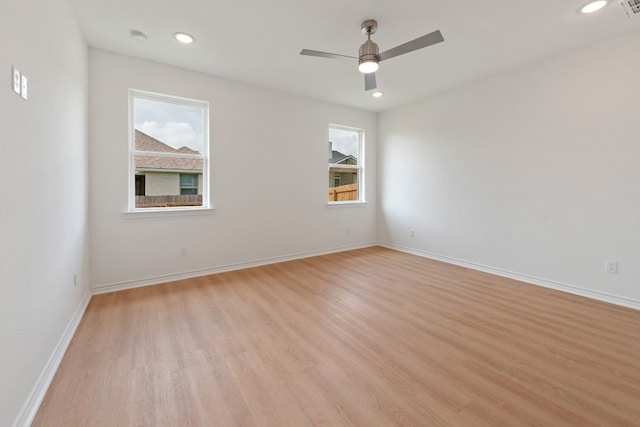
[368, 52]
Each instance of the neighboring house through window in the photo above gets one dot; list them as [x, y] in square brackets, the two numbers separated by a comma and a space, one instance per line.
[168, 152]
[346, 166]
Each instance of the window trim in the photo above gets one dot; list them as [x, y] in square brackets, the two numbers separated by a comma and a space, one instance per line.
[360, 167]
[207, 204]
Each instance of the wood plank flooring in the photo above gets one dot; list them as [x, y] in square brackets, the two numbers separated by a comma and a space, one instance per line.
[371, 337]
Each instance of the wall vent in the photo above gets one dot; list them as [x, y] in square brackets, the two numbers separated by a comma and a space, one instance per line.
[631, 7]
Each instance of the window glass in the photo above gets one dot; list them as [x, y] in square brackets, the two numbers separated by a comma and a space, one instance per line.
[168, 152]
[346, 179]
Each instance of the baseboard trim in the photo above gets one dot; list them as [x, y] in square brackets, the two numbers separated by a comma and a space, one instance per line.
[121, 286]
[576, 290]
[34, 400]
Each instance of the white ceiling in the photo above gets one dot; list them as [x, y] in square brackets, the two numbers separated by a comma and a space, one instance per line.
[258, 42]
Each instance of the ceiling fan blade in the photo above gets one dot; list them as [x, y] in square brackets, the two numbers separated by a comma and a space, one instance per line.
[325, 54]
[369, 81]
[419, 43]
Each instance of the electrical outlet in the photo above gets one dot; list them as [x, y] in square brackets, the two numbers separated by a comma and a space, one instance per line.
[75, 279]
[23, 91]
[348, 230]
[611, 266]
[16, 78]
[412, 233]
[184, 251]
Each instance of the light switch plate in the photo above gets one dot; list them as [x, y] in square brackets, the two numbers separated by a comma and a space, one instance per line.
[24, 87]
[16, 80]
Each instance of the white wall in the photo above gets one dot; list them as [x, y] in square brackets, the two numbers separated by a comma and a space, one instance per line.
[534, 171]
[43, 185]
[268, 178]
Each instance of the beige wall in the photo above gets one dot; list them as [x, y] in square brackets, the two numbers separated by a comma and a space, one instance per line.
[345, 178]
[162, 184]
[165, 183]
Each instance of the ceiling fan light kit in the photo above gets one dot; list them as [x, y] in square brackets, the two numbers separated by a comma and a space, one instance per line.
[368, 66]
[369, 55]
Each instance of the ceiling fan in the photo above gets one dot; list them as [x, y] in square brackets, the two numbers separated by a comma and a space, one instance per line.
[369, 55]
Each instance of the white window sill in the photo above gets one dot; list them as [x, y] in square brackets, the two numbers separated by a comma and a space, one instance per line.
[166, 212]
[334, 205]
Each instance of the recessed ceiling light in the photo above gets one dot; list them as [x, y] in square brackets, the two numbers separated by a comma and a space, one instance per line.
[594, 6]
[183, 38]
[138, 36]
[376, 94]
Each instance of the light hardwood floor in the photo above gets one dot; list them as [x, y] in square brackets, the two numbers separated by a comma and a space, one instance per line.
[371, 337]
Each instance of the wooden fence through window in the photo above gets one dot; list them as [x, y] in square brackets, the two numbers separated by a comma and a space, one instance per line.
[343, 193]
[168, 201]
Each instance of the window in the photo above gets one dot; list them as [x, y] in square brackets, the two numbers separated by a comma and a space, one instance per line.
[168, 152]
[188, 183]
[346, 165]
[140, 185]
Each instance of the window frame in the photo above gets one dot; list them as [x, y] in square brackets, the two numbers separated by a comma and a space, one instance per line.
[359, 168]
[204, 156]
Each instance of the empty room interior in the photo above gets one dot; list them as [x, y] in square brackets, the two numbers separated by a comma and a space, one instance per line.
[362, 213]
